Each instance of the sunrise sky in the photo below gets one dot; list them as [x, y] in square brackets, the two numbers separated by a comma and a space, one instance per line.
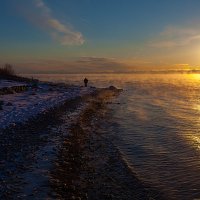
[61, 36]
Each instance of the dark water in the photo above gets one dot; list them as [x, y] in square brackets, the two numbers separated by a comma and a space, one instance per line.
[156, 127]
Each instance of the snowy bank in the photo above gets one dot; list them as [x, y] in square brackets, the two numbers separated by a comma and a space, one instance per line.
[20, 107]
[10, 83]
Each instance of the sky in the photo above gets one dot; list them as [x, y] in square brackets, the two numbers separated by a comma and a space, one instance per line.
[88, 36]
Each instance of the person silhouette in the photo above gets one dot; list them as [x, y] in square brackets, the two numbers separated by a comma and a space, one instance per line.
[85, 82]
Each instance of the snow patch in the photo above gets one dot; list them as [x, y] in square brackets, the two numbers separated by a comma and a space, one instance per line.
[20, 107]
[9, 83]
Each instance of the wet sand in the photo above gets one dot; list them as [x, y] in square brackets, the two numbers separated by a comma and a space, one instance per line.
[78, 161]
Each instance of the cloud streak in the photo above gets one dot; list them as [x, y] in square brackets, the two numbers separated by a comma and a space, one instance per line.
[59, 31]
[77, 65]
[176, 36]
[101, 63]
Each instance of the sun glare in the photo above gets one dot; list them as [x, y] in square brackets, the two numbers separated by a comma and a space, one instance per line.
[195, 77]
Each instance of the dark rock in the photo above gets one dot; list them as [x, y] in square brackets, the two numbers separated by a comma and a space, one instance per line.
[112, 87]
[9, 104]
[1, 104]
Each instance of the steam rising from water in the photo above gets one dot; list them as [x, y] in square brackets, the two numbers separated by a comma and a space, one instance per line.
[156, 126]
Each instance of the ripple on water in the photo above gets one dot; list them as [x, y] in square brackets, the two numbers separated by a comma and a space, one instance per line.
[156, 126]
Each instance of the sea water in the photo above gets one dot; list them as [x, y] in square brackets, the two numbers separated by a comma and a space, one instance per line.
[156, 125]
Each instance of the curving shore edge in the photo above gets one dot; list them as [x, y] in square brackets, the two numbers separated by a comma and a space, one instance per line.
[61, 155]
[89, 166]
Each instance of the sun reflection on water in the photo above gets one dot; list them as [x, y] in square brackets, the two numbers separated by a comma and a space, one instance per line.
[194, 140]
[157, 127]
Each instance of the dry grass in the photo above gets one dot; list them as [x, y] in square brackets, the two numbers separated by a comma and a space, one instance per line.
[7, 70]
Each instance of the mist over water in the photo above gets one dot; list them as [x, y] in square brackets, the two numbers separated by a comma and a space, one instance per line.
[156, 127]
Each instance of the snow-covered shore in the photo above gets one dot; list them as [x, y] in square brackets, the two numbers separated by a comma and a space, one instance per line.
[30, 152]
[62, 153]
[20, 107]
[9, 83]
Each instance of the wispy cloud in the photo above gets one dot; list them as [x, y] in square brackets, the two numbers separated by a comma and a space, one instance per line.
[173, 36]
[41, 15]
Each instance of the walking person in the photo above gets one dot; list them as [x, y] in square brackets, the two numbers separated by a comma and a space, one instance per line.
[85, 82]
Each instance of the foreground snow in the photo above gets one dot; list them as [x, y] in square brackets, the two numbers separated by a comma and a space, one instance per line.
[20, 107]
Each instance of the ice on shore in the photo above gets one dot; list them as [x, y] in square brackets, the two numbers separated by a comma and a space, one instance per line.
[10, 83]
[20, 107]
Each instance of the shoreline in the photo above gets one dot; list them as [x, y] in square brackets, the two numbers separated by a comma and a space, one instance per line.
[38, 98]
[89, 166]
[77, 164]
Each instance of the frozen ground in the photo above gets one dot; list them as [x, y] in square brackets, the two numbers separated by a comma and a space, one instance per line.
[20, 107]
[64, 154]
[9, 83]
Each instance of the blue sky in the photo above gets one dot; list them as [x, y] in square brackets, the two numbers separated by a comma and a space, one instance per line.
[99, 35]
